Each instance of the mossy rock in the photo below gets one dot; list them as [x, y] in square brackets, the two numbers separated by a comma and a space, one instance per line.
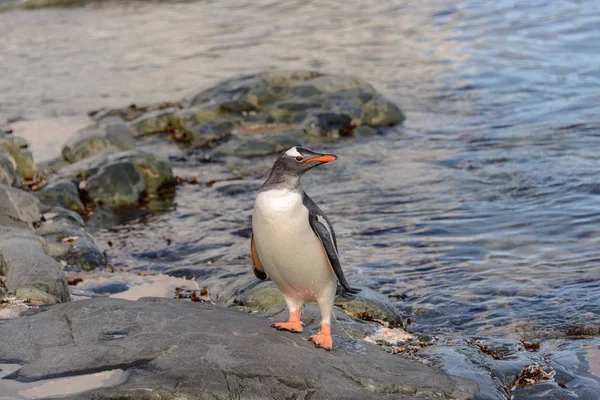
[370, 305]
[18, 149]
[115, 185]
[111, 134]
[8, 169]
[120, 179]
[153, 122]
[33, 295]
[367, 305]
[381, 112]
[263, 298]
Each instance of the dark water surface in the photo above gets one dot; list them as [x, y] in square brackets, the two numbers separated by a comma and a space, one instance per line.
[483, 208]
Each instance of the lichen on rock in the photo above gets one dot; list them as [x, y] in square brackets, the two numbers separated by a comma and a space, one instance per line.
[109, 134]
[118, 179]
[17, 147]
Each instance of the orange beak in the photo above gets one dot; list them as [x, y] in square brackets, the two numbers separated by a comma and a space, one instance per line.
[323, 159]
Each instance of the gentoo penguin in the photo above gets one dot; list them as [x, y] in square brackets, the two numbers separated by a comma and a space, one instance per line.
[293, 242]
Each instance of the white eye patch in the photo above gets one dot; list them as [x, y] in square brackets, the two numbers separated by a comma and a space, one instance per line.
[293, 152]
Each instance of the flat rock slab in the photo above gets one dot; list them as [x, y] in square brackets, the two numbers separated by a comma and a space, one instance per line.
[199, 350]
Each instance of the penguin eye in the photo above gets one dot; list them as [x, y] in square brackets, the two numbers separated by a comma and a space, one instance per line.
[299, 158]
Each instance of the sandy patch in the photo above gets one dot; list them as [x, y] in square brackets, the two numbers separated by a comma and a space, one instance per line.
[139, 285]
[46, 136]
[14, 389]
[592, 356]
[12, 308]
[156, 286]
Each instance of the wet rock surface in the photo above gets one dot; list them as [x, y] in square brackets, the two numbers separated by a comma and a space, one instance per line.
[101, 180]
[199, 350]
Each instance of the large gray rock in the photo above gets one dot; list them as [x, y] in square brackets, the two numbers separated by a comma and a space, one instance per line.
[24, 264]
[18, 208]
[117, 184]
[200, 351]
[110, 134]
[8, 169]
[253, 109]
[288, 96]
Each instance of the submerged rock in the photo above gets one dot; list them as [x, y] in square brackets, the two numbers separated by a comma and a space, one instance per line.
[219, 353]
[110, 134]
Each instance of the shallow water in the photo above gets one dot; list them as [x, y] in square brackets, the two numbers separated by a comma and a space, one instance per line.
[13, 389]
[482, 208]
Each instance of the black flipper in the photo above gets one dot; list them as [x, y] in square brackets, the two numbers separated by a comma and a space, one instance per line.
[323, 229]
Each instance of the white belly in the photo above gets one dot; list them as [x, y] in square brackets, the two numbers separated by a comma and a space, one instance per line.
[289, 250]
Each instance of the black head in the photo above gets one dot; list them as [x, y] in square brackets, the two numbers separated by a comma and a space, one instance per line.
[293, 163]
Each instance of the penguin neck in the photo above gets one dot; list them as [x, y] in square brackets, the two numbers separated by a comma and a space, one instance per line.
[280, 180]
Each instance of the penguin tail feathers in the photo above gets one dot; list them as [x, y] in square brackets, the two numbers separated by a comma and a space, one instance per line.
[348, 293]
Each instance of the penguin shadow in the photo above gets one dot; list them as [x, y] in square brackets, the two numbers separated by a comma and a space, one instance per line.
[347, 333]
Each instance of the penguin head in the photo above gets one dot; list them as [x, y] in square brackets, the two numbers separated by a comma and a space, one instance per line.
[297, 160]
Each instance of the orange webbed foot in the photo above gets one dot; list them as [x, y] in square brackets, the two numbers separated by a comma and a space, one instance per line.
[323, 338]
[293, 325]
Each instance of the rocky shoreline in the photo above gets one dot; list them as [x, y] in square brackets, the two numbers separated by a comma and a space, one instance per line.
[211, 338]
[105, 170]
